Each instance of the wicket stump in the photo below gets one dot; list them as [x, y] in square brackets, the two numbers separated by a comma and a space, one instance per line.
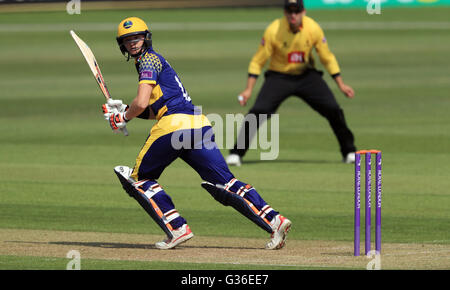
[368, 203]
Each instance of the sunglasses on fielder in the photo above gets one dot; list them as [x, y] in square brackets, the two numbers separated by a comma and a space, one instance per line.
[293, 11]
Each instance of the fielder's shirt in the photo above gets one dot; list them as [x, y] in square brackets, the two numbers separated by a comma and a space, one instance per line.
[291, 53]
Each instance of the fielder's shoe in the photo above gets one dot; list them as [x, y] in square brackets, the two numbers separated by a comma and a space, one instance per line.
[180, 235]
[280, 226]
[233, 159]
[350, 158]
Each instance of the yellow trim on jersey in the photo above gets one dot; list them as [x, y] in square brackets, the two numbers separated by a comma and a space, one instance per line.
[167, 125]
[156, 94]
[147, 82]
[161, 112]
[291, 53]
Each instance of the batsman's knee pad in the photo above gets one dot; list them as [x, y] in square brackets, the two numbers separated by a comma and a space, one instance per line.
[123, 173]
[237, 200]
[146, 193]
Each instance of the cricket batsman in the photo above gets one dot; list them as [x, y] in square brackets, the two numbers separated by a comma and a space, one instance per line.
[161, 96]
[288, 43]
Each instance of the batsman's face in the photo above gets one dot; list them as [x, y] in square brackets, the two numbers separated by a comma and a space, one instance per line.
[134, 43]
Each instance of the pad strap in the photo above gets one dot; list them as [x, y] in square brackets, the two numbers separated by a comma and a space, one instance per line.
[146, 201]
[239, 203]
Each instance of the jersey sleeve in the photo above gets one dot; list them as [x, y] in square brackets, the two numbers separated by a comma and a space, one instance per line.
[150, 67]
[263, 53]
[326, 57]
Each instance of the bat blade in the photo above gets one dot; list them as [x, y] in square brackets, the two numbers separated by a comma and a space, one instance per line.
[92, 62]
[93, 65]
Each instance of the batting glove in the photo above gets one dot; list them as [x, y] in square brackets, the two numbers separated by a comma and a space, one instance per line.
[117, 120]
[113, 106]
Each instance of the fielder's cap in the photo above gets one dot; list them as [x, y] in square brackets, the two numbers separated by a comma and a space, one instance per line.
[294, 3]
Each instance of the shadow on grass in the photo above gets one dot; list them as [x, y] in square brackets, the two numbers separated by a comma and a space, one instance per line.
[129, 246]
[293, 161]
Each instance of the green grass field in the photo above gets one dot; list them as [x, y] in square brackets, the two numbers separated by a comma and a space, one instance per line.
[57, 153]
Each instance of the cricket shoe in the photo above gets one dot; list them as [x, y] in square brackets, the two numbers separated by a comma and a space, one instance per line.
[180, 235]
[349, 158]
[233, 160]
[280, 226]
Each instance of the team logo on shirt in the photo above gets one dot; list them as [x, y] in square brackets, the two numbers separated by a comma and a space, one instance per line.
[147, 74]
[296, 57]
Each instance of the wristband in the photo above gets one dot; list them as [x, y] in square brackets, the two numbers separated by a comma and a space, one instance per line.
[125, 118]
[335, 75]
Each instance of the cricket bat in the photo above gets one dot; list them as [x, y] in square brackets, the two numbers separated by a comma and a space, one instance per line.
[93, 65]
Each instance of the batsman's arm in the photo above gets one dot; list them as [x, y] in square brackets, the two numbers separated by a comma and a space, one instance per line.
[140, 102]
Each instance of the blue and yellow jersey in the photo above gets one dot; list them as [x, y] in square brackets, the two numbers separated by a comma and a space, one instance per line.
[168, 96]
[171, 105]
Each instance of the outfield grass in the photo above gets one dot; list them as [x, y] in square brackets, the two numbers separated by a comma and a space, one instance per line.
[46, 263]
[57, 152]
